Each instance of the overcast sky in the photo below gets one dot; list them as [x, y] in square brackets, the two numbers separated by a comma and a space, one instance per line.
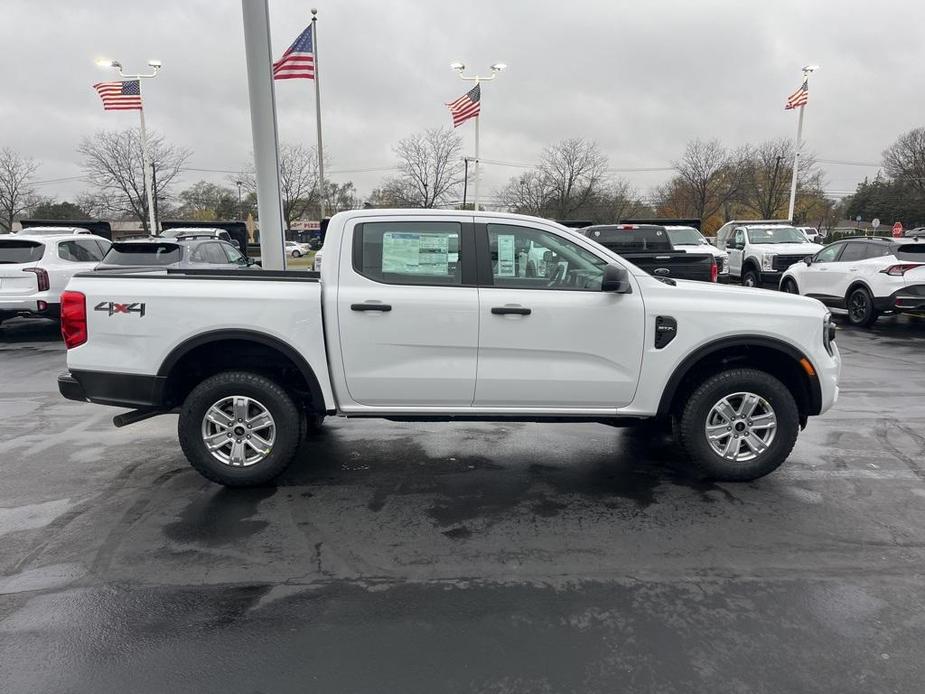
[640, 78]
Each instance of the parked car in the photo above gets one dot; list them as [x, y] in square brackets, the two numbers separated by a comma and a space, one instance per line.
[690, 240]
[34, 269]
[649, 247]
[183, 252]
[811, 233]
[296, 249]
[868, 277]
[918, 232]
[760, 250]
[400, 327]
[52, 231]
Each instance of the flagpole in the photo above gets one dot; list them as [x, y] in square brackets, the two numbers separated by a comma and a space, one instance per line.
[318, 116]
[475, 187]
[796, 165]
[152, 225]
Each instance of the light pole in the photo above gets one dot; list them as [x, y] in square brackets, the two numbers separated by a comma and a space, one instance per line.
[807, 70]
[240, 211]
[495, 69]
[145, 154]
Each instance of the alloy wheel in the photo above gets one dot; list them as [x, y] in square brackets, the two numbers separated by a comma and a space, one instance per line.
[741, 426]
[238, 431]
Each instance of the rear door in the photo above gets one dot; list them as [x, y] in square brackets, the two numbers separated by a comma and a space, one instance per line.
[847, 268]
[407, 311]
[553, 341]
[17, 255]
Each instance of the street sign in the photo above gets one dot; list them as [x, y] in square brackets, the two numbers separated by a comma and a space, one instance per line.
[875, 223]
[897, 229]
[858, 218]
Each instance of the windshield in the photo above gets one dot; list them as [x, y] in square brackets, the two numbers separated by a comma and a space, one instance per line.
[687, 236]
[775, 235]
[20, 251]
[142, 254]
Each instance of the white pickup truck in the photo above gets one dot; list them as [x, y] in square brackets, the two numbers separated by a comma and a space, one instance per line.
[432, 315]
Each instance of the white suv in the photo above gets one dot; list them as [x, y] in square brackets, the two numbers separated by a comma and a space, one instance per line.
[867, 277]
[34, 269]
[760, 251]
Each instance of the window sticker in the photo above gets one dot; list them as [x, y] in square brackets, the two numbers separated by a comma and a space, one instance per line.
[415, 254]
[506, 255]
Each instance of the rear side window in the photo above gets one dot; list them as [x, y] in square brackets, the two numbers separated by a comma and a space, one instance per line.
[854, 251]
[142, 254]
[409, 252]
[80, 251]
[12, 251]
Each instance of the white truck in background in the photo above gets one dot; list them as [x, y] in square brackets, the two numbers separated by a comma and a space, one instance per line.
[431, 315]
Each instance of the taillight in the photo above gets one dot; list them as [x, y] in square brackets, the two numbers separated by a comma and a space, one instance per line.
[714, 271]
[41, 275]
[900, 269]
[73, 318]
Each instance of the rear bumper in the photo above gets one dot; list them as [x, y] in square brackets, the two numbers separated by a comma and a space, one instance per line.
[905, 299]
[30, 307]
[116, 389]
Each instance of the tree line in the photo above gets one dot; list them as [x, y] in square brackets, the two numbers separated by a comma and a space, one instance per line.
[572, 179]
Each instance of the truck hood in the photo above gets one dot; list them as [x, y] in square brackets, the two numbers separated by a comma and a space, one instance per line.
[787, 248]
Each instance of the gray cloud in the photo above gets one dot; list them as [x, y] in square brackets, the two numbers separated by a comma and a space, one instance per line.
[639, 78]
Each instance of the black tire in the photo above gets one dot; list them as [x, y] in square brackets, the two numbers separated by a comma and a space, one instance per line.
[286, 415]
[861, 311]
[314, 423]
[296, 254]
[694, 417]
[789, 286]
[751, 278]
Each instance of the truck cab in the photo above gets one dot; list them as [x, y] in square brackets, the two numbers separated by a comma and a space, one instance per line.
[761, 250]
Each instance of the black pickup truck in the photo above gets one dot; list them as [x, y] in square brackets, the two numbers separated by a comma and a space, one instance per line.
[648, 247]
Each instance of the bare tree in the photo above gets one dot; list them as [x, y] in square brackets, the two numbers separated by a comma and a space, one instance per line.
[764, 175]
[298, 170]
[618, 201]
[16, 193]
[904, 160]
[431, 169]
[525, 194]
[112, 161]
[572, 174]
[707, 179]
[204, 201]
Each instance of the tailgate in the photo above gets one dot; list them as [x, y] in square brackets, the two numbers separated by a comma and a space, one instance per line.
[17, 256]
[679, 266]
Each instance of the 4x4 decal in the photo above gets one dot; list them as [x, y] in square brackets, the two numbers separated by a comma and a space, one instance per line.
[113, 308]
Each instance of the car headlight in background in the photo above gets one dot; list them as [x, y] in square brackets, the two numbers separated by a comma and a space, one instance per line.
[767, 261]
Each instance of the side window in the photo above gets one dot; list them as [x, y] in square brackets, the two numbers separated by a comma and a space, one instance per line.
[103, 246]
[829, 253]
[213, 254]
[854, 251]
[408, 252]
[527, 258]
[739, 240]
[233, 254]
[79, 251]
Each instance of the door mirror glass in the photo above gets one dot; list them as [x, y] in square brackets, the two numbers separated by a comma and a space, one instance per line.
[616, 280]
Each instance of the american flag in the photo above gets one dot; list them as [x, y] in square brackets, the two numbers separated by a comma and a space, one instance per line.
[467, 106]
[298, 62]
[120, 96]
[799, 98]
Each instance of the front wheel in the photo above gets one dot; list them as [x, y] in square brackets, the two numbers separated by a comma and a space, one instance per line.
[296, 254]
[861, 310]
[788, 286]
[239, 429]
[739, 425]
[751, 278]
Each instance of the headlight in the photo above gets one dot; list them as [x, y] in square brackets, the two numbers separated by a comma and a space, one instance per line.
[828, 332]
[767, 261]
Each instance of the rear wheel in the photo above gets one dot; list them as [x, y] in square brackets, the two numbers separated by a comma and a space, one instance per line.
[789, 286]
[239, 429]
[739, 425]
[751, 278]
[861, 310]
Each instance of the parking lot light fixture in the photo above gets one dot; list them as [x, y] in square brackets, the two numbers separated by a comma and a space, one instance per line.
[145, 154]
[495, 68]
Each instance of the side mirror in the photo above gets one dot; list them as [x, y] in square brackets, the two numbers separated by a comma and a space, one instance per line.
[808, 260]
[617, 280]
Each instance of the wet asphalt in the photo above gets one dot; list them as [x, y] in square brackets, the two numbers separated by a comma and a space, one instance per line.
[463, 557]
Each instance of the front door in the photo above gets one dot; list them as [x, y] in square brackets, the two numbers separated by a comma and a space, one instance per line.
[548, 336]
[735, 247]
[817, 279]
[407, 310]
